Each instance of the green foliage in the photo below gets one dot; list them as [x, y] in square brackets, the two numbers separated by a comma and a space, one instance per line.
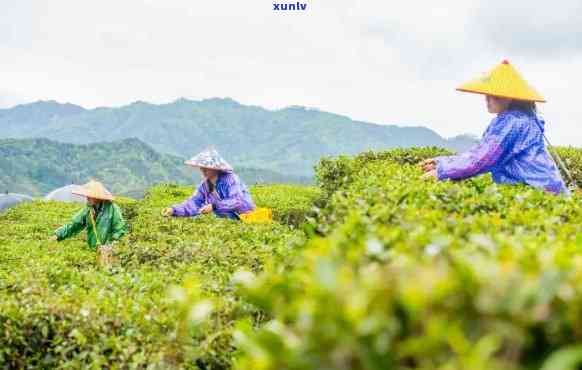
[58, 309]
[291, 205]
[572, 158]
[424, 275]
[211, 249]
[569, 358]
[407, 275]
[333, 174]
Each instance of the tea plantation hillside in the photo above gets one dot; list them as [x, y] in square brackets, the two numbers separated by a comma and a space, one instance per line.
[376, 269]
[58, 309]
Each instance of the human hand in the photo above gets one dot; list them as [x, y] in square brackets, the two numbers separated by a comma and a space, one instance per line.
[428, 164]
[167, 212]
[206, 209]
[54, 238]
[430, 175]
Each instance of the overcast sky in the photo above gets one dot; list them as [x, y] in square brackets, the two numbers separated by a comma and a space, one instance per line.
[389, 62]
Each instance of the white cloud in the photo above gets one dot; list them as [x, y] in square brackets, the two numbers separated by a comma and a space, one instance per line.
[386, 62]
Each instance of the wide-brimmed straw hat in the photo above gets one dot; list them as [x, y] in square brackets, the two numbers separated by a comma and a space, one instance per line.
[93, 189]
[209, 158]
[503, 81]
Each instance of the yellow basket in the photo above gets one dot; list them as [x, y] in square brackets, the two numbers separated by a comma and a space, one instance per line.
[258, 216]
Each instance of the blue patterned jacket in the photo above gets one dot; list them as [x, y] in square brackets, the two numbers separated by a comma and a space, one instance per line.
[512, 150]
[230, 198]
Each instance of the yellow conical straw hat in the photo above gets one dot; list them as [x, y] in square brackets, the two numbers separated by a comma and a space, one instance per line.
[93, 189]
[503, 81]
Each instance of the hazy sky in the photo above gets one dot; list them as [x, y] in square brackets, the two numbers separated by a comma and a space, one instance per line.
[393, 62]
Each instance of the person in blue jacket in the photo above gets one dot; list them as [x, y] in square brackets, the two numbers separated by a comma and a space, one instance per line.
[221, 191]
[512, 148]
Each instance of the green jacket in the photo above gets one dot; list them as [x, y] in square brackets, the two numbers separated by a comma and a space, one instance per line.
[109, 225]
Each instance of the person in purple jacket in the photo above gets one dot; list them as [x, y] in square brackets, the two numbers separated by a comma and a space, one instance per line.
[512, 148]
[221, 191]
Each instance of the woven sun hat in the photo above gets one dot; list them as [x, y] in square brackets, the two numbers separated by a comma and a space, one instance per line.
[209, 158]
[93, 189]
[503, 81]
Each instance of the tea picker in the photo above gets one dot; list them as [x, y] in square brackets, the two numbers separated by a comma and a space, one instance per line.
[221, 192]
[102, 218]
[512, 148]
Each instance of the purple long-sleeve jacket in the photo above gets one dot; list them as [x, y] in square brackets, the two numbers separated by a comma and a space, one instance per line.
[230, 198]
[512, 150]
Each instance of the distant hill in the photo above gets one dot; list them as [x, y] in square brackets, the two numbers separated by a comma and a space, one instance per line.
[37, 166]
[288, 141]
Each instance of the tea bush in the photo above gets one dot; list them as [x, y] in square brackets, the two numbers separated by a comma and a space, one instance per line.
[406, 274]
[58, 309]
[572, 158]
[425, 275]
[291, 204]
[333, 174]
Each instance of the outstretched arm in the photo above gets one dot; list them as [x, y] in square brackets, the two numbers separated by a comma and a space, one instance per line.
[77, 224]
[495, 146]
[191, 207]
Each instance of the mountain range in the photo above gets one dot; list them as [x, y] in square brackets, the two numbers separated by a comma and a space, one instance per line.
[288, 141]
[127, 167]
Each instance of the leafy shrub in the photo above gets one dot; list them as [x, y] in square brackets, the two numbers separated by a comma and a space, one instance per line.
[572, 158]
[409, 275]
[58, 309]
[333, 174]
[424, 275]
[291, 204]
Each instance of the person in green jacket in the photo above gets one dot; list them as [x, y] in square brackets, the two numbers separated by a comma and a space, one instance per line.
[101, 217]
